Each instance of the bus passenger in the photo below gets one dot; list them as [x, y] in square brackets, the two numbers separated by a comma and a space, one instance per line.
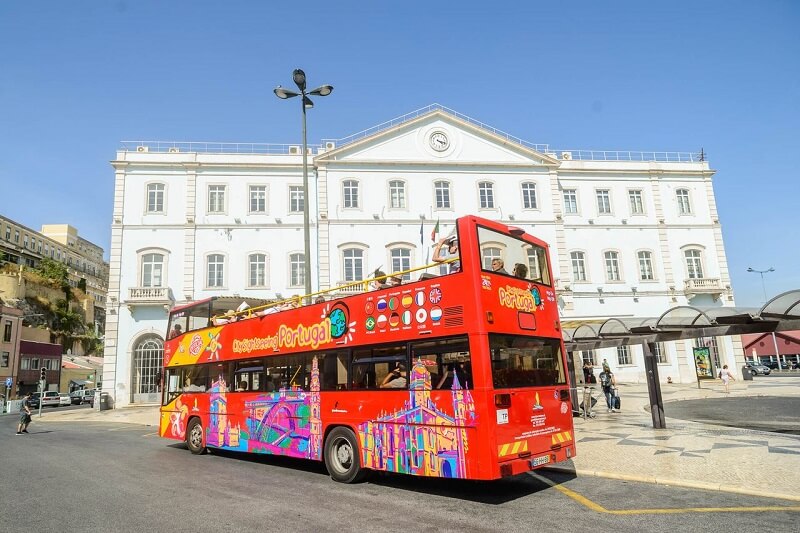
[396, 379]
[395, 281]
[176, 331]
[520, 271]
[498, 265]
[451, 252]
[242, 387]
[376, 283]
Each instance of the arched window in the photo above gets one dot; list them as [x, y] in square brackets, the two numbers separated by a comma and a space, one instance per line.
[297, 269]
[397, 194]
[646, 272]
[694, 263]
[258, 270]
[148, 355]
[350, 194]
[578, 266]
[612, 266]
[152, 270]
[353, 263]
[401, 261]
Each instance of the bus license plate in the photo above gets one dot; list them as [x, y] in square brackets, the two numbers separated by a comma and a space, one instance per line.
[539, 461]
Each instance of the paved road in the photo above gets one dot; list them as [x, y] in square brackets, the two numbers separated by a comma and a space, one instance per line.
[91, 476]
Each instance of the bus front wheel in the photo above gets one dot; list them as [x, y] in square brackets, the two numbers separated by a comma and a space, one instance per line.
[342, 457]
[194, 437]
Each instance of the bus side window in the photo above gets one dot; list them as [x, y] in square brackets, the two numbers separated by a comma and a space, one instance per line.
[333, 370]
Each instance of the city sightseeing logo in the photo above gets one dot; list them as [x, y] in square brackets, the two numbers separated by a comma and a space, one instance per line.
[520, 299]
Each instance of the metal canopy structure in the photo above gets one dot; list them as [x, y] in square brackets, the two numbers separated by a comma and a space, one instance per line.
[781, 313]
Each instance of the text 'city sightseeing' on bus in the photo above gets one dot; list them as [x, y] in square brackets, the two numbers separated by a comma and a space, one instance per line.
[458, 371]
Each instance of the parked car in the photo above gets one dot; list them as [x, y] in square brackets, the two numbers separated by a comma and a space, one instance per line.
[759, 369]
[82, 396]
[51, 398]
[64, 398]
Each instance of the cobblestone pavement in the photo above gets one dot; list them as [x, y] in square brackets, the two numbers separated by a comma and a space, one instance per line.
[624, 445]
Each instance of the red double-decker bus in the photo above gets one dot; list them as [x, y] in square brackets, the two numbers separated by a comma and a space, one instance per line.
[458, 372]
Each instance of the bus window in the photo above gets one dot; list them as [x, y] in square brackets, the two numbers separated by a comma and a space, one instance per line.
[248, 376]
[445, 359]
[372, 366]
[519, 361]
[333, 370]
[513, 256]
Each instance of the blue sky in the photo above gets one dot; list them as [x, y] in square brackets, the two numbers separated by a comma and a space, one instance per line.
[78, 77]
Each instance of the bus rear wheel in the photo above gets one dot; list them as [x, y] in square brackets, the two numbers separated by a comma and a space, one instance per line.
[341, 456]
[194, 437]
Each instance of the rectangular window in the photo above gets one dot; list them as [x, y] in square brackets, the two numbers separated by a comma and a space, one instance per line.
[155, 198]
[258, 199]
[7, 331]
[623, 355]
[4, 359]
[589, 356]
[353, 264]
[296, 203]
[397, 194]
[636, 202]
[8, 233]
[525, 361]
[447, 360]
[24, 241]
[684, 207]
[333, 370]
[25, 363]
[216, 270]
[486, 195]
[350, 190]
[529, 195]
[401, 261]
[442, 189]
[216, 198]
[612, 266]
[603, 202]
[297, 269]
[646, 266]
[660, 352]
[16, 236]
[570, 201]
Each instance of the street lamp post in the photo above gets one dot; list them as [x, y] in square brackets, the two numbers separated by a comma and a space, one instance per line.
[764, 288]
[299, 78]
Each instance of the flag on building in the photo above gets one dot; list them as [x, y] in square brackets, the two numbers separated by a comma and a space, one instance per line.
[435, 231]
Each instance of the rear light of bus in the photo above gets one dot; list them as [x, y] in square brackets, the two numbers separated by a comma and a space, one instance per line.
[506, 470]
[502, 401]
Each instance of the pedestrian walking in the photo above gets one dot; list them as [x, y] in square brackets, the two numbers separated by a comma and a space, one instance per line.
[726, 376]
[607, 382]
[24, 415]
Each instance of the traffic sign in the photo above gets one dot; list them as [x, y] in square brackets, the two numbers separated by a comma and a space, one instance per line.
[9, 382]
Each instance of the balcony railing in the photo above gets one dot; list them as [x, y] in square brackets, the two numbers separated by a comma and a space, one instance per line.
[703, 286]
[149, 295]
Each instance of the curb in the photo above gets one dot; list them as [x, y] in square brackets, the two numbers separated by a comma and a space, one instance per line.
[720, 487]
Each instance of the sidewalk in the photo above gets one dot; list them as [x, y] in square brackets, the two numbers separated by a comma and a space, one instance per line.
[624, 445]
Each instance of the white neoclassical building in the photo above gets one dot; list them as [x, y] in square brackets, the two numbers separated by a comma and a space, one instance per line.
[632, 234]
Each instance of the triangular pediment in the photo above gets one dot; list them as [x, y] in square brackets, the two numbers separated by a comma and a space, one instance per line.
[437, 136]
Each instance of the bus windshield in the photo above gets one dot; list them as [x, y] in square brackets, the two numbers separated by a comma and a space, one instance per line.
[502, 253]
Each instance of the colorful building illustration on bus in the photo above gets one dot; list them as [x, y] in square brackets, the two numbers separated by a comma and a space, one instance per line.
[286, 422]
[420, 438]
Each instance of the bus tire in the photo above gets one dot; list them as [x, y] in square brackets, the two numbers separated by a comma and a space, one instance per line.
[342, 458]
[194, 437]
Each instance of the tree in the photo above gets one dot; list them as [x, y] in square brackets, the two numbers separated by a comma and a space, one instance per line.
[53, 270]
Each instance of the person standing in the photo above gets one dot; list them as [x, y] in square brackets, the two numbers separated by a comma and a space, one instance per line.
[726, 376]
[450, 254]
[25, 415]
[607, 382]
